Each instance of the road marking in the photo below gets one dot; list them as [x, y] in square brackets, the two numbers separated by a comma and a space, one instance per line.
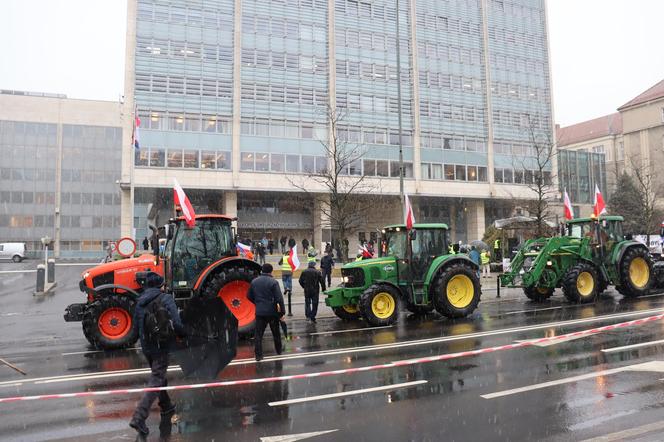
[95, 351]
[531, 310]
[294, 437]
[17, 271]
[334, 332]
[103, 375]
[536, 342]
[74, 264]
[345, 393]
[630, 347]
[656, 366]
[630, 432]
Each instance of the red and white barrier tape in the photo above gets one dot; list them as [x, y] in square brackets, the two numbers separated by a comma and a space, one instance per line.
[402, 363]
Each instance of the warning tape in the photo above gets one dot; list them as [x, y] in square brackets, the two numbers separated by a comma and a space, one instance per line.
[394, 364]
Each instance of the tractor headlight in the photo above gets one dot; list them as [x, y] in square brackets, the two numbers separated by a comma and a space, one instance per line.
[549, 263]
[347, 279]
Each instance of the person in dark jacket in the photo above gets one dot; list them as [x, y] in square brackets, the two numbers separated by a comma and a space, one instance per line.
[326, 265]
[146, 243]
[155, 353]
[265, 293]
[311, 281]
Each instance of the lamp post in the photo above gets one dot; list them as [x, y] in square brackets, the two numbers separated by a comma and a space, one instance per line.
[401, 170]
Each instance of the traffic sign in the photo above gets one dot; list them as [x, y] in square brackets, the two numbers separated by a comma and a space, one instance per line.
[126, 247]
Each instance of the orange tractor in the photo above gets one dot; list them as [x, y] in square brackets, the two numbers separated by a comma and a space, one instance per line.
[200, 265]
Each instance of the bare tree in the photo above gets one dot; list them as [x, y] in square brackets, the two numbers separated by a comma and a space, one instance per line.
[650, 190]
[342, 191]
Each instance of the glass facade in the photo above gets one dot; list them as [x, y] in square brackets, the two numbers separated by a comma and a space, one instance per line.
[579, 171]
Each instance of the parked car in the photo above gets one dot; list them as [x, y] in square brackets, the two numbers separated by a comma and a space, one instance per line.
[12, 250]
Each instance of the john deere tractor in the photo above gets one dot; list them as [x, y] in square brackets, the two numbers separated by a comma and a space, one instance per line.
[202, 270]
[593, 255]
[414, 270]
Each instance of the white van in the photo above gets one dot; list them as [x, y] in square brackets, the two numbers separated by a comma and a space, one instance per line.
[12, 250]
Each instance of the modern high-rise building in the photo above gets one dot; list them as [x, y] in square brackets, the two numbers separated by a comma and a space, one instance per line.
[234, 98]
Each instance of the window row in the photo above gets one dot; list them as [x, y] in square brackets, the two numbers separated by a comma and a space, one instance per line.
[283, 28]
[452, 142]
[437, 110]
[372, 104]
[86, 198]
[280, 163]
[453, 172]
[90, 176]
[182, 158]
[87, 246]
[514, 149]
[161, 120]
[352, 38]
[516, 64]
[513, 38]
[517, 176]
[521, 119]
[18, 174]
[17, 197]
[517, 10]
[451, 82]
[86, 222]
[518, 91]
[445, 52]
[283, 129]
[284, 94]
[367, 70]
[184, 49]
[260, 58]
[23, 133]
[208, 17]
[441, 23]
[182, 85]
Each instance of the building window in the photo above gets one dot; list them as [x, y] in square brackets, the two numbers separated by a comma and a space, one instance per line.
[174, 158]
[208, 160]
[247, 162]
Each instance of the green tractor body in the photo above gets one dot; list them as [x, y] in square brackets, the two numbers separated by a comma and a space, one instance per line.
[415, 269]
[591, 256]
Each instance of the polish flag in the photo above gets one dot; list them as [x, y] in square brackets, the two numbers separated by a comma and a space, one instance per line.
[182, 202]
[600, 207]
[569, 210]
[409, 216]
[134, 135]
[244, 250]
[293, 260]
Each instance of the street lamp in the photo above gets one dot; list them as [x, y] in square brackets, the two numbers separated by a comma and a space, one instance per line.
[399, 105]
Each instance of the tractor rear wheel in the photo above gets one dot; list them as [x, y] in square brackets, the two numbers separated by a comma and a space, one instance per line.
[635, 272]
[348, 312]
[231, 285]
[457, 291]
[581, 283]
[108, 323]
[379, 304]
[538, 294]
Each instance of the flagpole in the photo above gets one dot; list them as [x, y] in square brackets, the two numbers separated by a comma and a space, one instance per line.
[131, 173]
[401, 171]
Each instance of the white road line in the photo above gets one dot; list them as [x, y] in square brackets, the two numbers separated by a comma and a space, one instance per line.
[95, 351]
[345, 393]
[102, 376]
[334, 332]
[656, 366]
[294, 437]
[377, 347]
[74, 264]
[629, 433]
[531, 310]
[630, 347]
[17, 271]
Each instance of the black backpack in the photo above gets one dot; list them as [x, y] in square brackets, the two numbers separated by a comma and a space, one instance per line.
[157, 324]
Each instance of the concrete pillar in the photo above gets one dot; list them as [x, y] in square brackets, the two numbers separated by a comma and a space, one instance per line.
[475, 223]
[237, 90]
[321, 221]
[484, 5]
[230, 205]
[453, 217]
[415, 79]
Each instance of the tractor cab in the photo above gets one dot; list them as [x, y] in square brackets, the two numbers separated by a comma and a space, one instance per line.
[416, 249]
[604, 232]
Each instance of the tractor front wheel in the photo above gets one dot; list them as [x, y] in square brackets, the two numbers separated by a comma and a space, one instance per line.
[581, 283]
[348, 312]
[379, 305]
[635, 272]
[108, 323]
[231, 285]
[457, 291]
[538, 294]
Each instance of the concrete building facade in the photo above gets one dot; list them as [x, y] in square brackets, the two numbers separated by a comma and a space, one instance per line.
[234, 98]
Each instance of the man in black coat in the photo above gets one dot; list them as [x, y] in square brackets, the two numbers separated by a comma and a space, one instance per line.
[155, 352]
[265, 293]
[326, 265]
[311, 281]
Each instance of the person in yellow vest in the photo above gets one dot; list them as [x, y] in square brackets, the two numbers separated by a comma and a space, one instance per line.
[450, 250]
[286, 273]
[311, 255]
[485, 259]
[496, 249]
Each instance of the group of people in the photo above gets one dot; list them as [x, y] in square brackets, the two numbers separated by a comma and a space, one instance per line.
[483, 261]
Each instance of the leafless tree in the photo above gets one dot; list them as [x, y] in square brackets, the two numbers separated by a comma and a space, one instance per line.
[343, 193]
[650, 190]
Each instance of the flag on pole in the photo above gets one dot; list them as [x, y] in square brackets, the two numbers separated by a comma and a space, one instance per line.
[244, 250]
[183, 203]
[293, 260]
[599, 206]
[134, 133]
[409, 216]
[569, 210]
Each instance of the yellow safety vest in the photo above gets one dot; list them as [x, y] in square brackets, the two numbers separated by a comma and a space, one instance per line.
[485, 257]
[496, 244]
[450, 250]
[285, 266]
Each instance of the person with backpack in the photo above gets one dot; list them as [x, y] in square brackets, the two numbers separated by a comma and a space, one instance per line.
[158, 324]
[311, 281]
[264, 292]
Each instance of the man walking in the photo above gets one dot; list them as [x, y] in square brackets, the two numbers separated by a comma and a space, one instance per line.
[155, 310]
[326, 265]
[311, 281]
[485, 258]
[146, 243]
[474, 256]
[286, 273]
[265, 294]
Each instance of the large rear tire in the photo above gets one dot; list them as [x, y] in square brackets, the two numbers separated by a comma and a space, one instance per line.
[636, 269]
[581, 283]
[231, 285]
[380, 304]
[457, 291]
[348, 312]
[108, 323]
[538, 294]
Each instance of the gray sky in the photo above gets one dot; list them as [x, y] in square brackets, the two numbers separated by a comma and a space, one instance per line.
[603, 52]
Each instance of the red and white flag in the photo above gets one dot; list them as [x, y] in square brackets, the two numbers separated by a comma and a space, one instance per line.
[569, 210]
[293, 260]
[599, 206]
[134, 134]
[409, 216]
[244, 250]
[183, 203]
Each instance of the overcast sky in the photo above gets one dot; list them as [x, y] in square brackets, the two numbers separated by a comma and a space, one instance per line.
[603, 52]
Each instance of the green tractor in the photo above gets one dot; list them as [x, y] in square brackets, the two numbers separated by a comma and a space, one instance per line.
[591, 256]
[415, 270]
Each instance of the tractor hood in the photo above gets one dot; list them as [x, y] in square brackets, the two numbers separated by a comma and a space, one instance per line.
[126, 265]
[386, 260]
[121, 272]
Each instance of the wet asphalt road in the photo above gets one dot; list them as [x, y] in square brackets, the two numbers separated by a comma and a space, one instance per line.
[495, 396]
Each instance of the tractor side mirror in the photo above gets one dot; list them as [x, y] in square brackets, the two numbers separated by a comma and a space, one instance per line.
[170, 231]
[412, 234]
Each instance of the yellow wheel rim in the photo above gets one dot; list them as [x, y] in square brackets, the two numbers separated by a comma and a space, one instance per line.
[639, 272]
[383, 305]
[348, 308]
[460, 291]
[585, 284]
